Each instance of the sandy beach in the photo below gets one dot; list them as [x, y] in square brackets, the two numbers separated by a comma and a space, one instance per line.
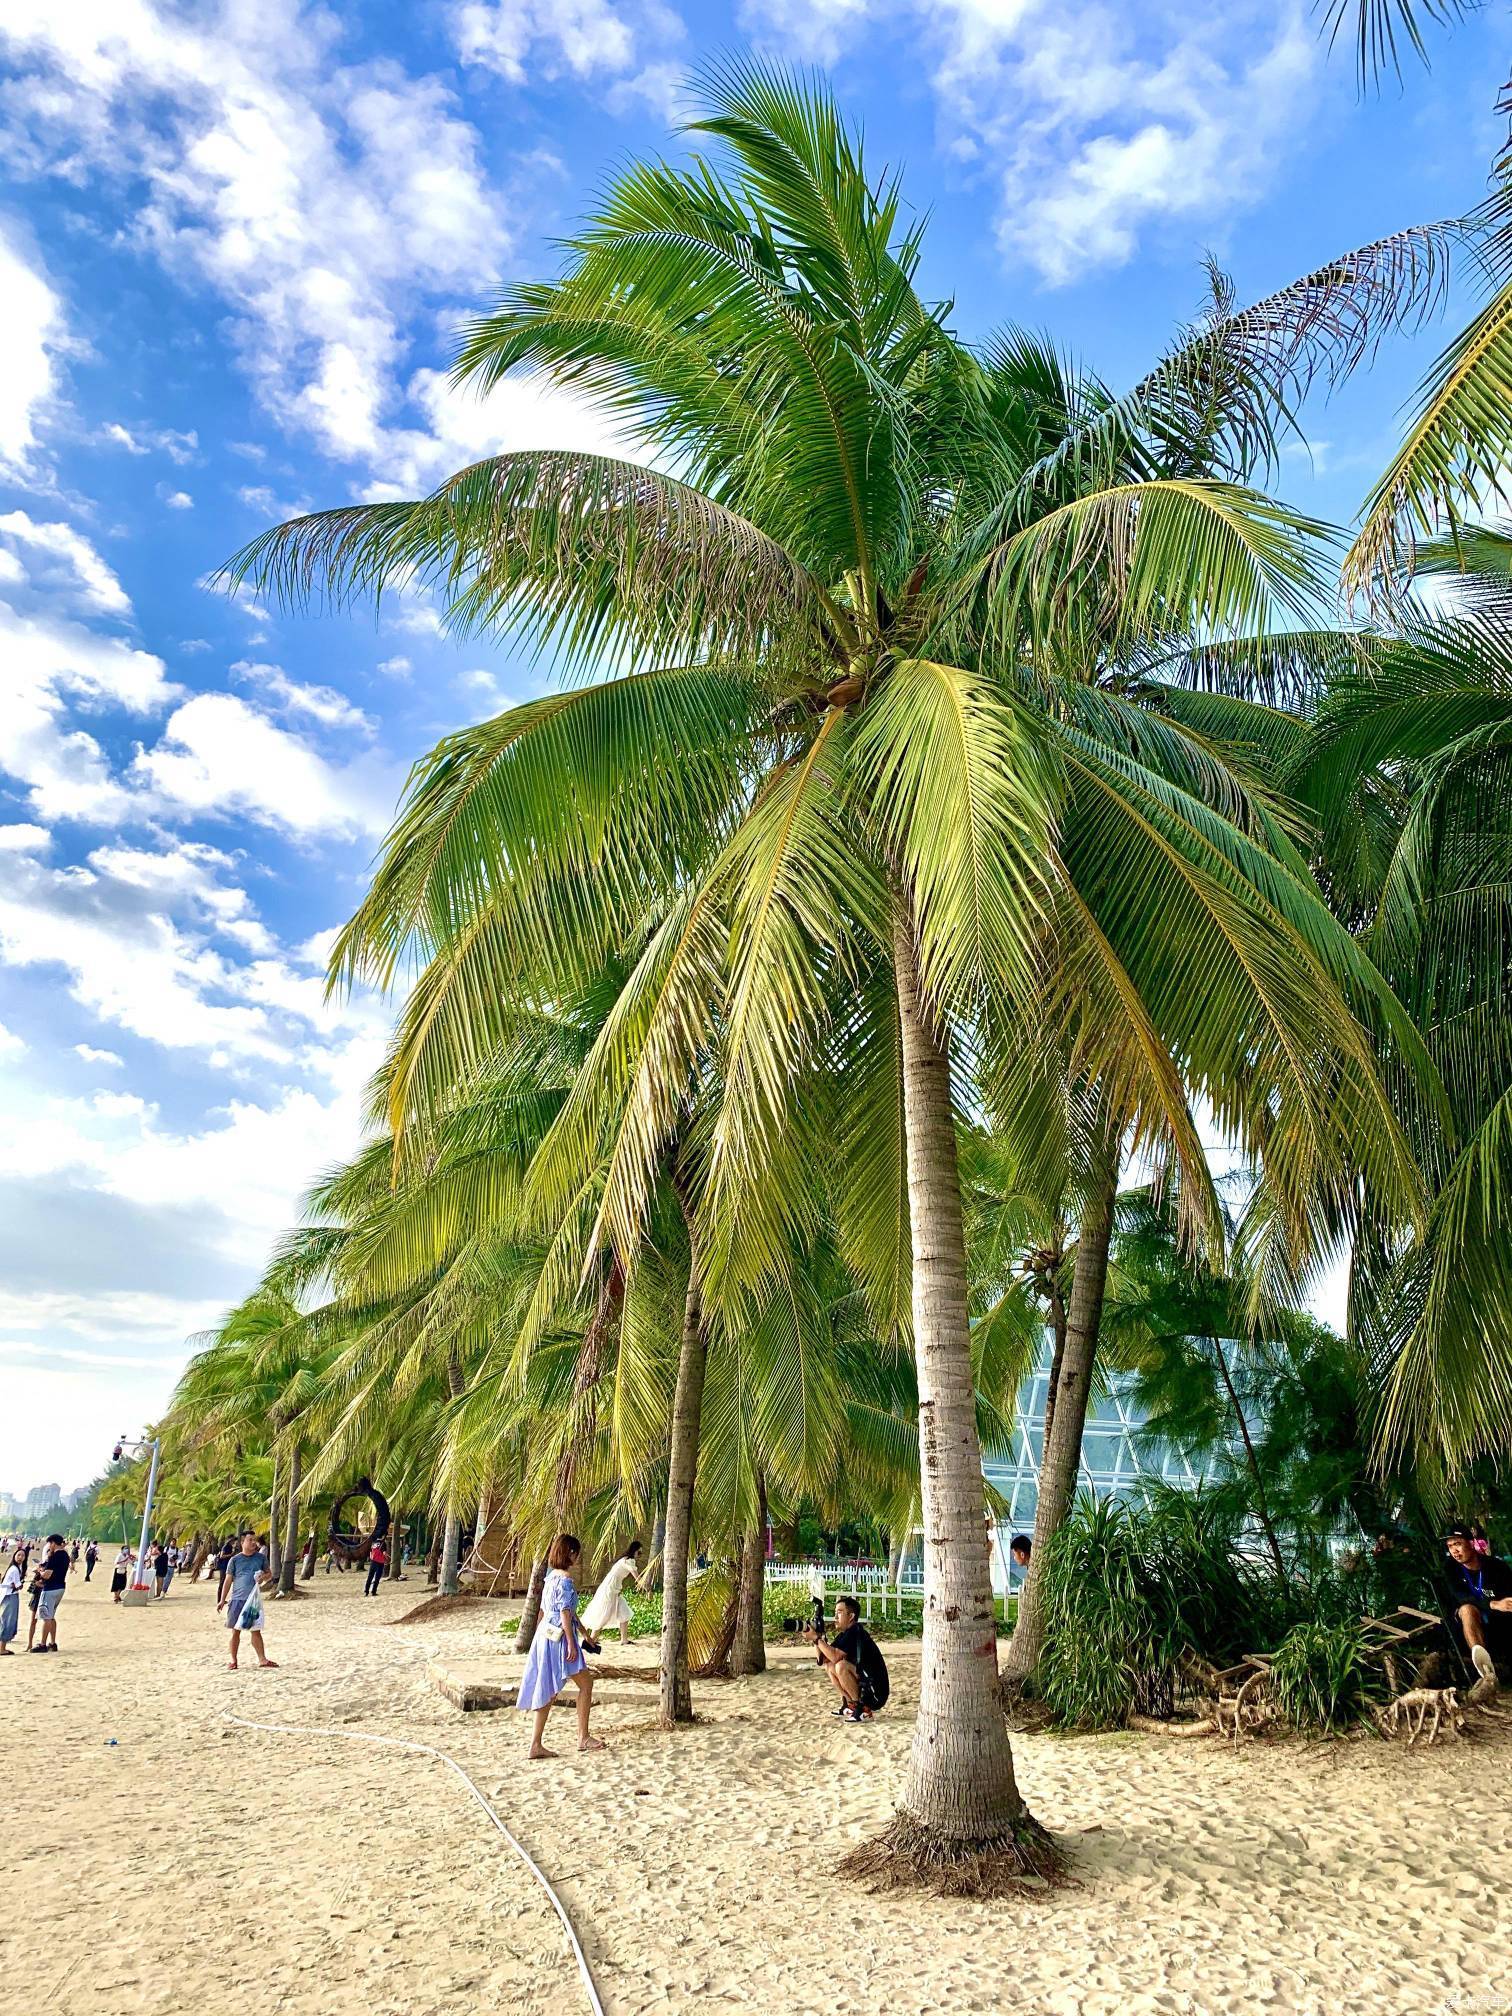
[156, 1859]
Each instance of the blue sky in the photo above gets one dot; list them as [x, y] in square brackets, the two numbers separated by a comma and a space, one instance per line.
[235, 238]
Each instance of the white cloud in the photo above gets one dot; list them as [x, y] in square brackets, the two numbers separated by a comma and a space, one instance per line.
[122, 1231]
[460, 427]
[91, 1055]
[180, 448]
[220, 757]
[1097, 123]
[11, 1045]
[395, 668]
[164, 943]
[322, 199]
[819, 31]
[31, 336]
[261, 498]
[485, 688]
[257, 1157]
[179, 500]
[128, 962]
[587, 37]
[45, 664]
[55, 554]
[661, 87]
[24, 839]
[321, 703]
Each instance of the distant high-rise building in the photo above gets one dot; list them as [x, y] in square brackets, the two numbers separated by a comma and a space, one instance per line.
[41, 1498]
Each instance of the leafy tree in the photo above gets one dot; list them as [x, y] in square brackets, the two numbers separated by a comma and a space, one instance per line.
[862, 801]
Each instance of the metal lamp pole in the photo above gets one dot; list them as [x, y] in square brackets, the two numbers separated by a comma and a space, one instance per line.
[138, 1580]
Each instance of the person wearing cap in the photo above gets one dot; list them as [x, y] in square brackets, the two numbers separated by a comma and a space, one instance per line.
[1482, 1588]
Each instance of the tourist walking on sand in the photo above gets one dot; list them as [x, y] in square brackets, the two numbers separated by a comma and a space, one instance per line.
[240, 1597]
[377, 1563]
[53, 1576]
[607, 1607]
[120, 1574]
[91, 1555]
[556, 1651]
[10, 1602]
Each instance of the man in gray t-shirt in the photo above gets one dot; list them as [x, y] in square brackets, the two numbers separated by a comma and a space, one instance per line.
[246, 1571]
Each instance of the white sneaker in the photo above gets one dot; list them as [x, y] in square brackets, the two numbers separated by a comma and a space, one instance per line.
[1483, 1663]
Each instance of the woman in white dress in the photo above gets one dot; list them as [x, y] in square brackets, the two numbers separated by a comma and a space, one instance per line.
[608, 1607]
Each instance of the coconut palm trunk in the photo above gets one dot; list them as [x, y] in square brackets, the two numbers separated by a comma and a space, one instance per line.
[590, 1364]
[1061, 1455]
[450, 1577]
[1057, 1351]
[960, 1797]
[275, 1542]
[682, 1471]
[530, 1616]
[288, 1567]
[449, 1582]
[748, 1654]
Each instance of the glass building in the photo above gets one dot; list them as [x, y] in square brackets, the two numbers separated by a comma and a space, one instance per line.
[1116, 1461]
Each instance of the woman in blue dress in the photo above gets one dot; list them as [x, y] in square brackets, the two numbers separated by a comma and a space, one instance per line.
[556, 1652]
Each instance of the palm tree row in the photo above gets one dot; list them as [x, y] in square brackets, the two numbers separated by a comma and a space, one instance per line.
[949, 750]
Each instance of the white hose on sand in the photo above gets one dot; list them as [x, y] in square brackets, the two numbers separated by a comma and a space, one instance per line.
[429, 1750]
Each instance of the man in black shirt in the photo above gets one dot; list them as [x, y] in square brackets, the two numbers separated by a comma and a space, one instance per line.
[52, 1575]
[854, 1663]
[1482, 1589]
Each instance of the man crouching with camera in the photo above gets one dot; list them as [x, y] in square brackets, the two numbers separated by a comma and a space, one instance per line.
[854, 1663]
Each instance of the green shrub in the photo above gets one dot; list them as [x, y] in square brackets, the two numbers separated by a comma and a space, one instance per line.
[1130, 1587]
[1103, 1632]
[1320, 1676]
[783, 1600]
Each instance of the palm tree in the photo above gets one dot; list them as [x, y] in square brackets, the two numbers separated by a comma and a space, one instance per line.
[1409, 766]
[249, 1389]
[1455, 456]
[848, 775]
[1382, 29]
[1164, 1308]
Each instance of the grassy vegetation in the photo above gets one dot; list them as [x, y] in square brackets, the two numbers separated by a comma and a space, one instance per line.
[787, 1601]
[1132, 1587]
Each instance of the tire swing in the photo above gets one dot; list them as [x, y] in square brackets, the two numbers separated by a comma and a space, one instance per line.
[352, 1548]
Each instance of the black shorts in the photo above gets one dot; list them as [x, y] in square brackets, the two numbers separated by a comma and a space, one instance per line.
[873, 1695]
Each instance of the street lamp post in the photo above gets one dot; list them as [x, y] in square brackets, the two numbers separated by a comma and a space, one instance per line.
[139, 1579]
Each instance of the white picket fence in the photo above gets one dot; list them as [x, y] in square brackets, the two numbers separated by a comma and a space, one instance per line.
[875, 1593]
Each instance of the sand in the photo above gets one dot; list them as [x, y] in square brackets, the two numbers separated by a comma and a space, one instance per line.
[154, 1859]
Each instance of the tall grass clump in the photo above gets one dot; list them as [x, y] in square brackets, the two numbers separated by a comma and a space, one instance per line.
[1132, 1589]
[1321, 1680]
[1103, 1636]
